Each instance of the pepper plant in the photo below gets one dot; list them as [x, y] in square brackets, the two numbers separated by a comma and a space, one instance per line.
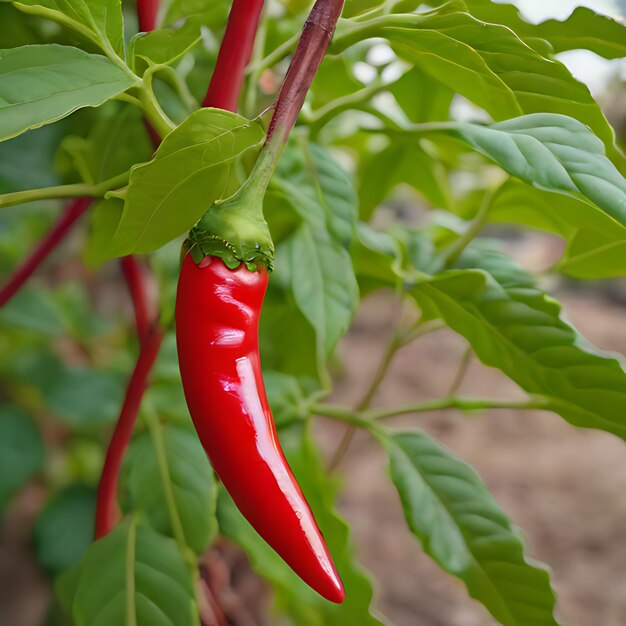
[223, 143]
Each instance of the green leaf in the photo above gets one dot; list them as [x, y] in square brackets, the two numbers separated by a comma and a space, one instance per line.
[586, 29]
[131, 576]
[557, 153]
[174, 465]
[583, 29]
[98, 20]
[485, 255]
[283, 326]
[294, 597]
[428, 103]
[489, 65]
[64, 529]
[377, 259]
[193, 167]
[323, 284]
[315, 259]
[104, 219]
[27, 161]
[213, 12]
[33, 310]
[519, 330]
[167, 45]
[461, 527]
[288, 396]
[334, 79]
[592, 255]
[358, 7]
[402, 162]
[21, 451]
[116, 141]
[596, 243]
[312, 170]
[42, 84]
[83, 397]
[19, 30]
[553, 152]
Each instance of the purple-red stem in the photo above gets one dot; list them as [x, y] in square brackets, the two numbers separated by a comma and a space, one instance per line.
[51, 240]
[316, 37]
[107, 509]
[234, 55]
[150, 335]
[135, 275]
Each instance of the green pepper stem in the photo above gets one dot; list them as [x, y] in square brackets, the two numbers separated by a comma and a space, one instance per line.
[99, 190]
[235, 229]
[536, 403]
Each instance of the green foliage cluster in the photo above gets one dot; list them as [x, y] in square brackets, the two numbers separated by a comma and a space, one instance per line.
[542, 156]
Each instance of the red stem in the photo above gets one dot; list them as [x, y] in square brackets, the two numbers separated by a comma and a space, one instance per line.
[134, 273]
[316, 37]
[234, 54]
[107, 509]
[150, 336]
[147, 11]
[51, 240]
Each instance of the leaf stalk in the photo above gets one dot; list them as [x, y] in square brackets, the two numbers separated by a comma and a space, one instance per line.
[98, 190]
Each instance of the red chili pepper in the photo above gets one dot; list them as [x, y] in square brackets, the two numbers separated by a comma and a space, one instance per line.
[217, 317]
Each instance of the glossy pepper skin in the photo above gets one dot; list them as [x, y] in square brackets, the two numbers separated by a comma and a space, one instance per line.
[217, 317]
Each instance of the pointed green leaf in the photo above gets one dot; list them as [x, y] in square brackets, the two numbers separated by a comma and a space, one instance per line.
[488, 64]
[315, 258]
[596, 243]
[181, 471]
[42, 84]
[462, 528]
[519, 330]
[402, 162]
[288, 396]
[104, 218]
[323, 284]
[283, 326]
[167, 45]
[98, 20]
[583, 29]
[315, 173]
[193, 167]
[557, 153]
[553, 152]
[430, 103]
[377, 259]
[131, 576]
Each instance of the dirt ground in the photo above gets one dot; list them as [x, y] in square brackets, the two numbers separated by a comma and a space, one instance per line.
[565, 488]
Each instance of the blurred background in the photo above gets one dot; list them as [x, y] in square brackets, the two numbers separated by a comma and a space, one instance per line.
[565, 488]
